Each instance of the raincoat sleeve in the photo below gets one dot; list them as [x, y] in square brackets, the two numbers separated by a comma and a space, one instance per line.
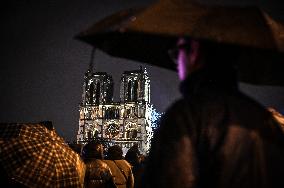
[172, 160]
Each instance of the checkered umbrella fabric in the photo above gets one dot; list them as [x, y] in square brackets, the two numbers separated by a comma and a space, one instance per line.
[37, 157]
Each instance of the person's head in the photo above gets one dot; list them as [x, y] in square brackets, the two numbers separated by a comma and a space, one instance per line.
[115, 152]
[93, 149]
[191, 55]
[133, 155]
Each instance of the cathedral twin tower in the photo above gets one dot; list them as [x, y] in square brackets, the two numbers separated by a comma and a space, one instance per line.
[124, 123]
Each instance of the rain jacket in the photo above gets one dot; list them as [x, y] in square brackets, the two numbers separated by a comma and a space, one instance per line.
[98, 174]
[122, 173]
[216, 136]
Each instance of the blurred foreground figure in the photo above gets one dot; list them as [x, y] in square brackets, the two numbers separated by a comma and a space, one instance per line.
[98, 174]
[215, 136]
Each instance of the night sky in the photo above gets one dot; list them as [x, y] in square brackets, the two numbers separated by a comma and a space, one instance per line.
[42, 65]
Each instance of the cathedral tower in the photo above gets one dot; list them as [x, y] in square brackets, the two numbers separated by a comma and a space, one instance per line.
[126, 122]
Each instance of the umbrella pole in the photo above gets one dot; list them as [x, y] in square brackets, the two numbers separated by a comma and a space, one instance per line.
[91, 65]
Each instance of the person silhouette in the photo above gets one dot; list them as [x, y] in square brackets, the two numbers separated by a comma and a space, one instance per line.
[98, 173]
[214, 136]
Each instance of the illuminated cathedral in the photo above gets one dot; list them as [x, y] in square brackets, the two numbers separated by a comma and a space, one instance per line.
[125, 123]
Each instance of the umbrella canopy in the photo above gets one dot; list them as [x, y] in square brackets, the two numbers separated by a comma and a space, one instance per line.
[146, 34]
[111, 36]
[37, 157]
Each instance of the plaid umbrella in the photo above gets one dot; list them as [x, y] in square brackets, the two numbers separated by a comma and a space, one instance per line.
[37, 157]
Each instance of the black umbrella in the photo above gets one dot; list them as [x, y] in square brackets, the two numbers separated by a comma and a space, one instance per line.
[109, 35]
[146, 35]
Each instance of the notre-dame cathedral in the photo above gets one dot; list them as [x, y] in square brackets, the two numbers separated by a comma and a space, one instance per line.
[125, 122]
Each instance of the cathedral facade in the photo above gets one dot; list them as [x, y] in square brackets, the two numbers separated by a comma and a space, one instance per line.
[126, 122]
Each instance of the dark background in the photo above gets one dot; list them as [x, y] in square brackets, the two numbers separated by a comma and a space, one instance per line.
[42, 65]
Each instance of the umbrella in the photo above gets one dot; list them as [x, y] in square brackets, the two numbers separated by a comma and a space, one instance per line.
[109, 35]
[146, 35]
[37, 157]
